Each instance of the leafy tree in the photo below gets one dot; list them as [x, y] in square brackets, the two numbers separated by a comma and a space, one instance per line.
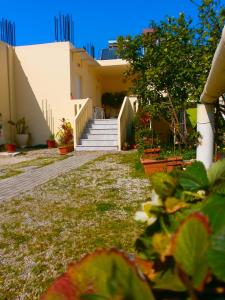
[169, 65]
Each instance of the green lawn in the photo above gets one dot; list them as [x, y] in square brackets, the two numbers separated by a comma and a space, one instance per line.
[88, 208]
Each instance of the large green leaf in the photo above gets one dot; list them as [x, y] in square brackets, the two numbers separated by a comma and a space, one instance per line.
[194, 178]
[216, 255]
[105, 274]
[215, 210]
[170, 281]
[190, 248]
[163, 183]
[216, 171]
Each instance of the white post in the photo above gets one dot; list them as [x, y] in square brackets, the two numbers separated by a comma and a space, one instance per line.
[205, 126]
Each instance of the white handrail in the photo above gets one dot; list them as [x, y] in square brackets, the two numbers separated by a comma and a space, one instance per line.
[125, 118]
[83, 113]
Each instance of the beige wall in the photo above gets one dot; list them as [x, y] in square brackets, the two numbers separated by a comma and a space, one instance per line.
[85, 67]
[116, 83]
[112, 75]
[37, 81]
[7, 97]
[42, 87]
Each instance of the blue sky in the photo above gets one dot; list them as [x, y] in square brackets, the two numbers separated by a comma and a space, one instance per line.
[96, 22]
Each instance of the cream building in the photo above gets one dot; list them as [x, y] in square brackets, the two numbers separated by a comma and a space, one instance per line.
[47, 82]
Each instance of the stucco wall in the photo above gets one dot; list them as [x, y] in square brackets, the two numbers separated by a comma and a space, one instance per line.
[86, 69]
[37, 82]
[115, 84]
[42, 87]
[7, 97]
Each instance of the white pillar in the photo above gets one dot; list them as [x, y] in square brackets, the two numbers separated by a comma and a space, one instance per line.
[205, 126]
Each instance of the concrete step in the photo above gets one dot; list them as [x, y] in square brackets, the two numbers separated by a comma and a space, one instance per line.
[96, 148]
[105, 143]
[101, 137]
[102, 126]
[100, 131]
[103, 121]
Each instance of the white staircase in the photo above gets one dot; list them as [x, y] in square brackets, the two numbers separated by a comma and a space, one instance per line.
[100, 134]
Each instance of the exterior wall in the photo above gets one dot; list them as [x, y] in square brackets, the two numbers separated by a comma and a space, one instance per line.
[7, 97]
[40, 83]
[112, 78]
[85, 69]
[115, 83]
[42, 87]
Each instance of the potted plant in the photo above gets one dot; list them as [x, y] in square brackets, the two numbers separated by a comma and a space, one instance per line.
[51, 141]
[65, 137]
[220, 152]
[10, 147]
[22, 134]
[153, 165]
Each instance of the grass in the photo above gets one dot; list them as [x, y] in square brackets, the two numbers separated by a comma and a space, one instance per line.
[9, 172]
[91, 207]
[18, 168]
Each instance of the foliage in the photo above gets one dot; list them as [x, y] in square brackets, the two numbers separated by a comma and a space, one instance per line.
[145, 137]
[21, 126]
[169, 66]
[105, 274]
[51, 137]
[190, 217]
[113, 99]
[65, 134]
[186, 153]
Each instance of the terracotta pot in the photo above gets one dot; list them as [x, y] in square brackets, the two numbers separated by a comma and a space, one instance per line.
[11, 147]
[152, 152]
[65, 149]
[51, 144]
[220, 155]
[152, 166]
[173, 162]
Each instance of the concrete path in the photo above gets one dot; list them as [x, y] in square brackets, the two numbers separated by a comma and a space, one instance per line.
[13, 186]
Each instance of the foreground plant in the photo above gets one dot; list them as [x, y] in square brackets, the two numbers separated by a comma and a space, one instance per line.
[105, 274]
[181, 252]
[186, 241]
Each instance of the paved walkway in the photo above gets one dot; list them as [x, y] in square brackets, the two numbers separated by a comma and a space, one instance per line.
[13, 186]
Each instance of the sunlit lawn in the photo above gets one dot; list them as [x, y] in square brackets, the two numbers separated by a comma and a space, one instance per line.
[88, 208]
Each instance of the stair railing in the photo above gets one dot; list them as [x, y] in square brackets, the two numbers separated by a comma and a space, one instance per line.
[125, 119]
[83, 114]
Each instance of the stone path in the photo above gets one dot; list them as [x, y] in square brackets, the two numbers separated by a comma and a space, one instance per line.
[13, 186]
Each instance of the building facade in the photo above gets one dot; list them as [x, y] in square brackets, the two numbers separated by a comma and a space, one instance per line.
[42, 83]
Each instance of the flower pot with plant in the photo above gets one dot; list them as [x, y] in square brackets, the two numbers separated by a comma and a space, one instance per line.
[22, 134]
[173, 162]
[152, 166]
[146, 139]
[10, 147]
[65, 137]
[51, 141]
